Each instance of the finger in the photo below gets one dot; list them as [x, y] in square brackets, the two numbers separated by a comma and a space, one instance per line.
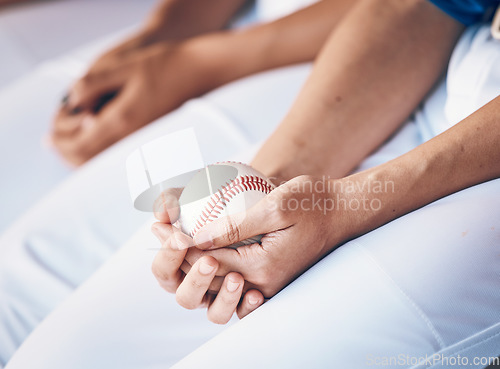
[166, 206]
[167, 263]
[193, 288]
[224, 305]
[216, 284]
[75, 146]
[66, 124]
[96, 132]
[103, 100]
[86, 91]
[244, 260]
[167, 232]
[250, 301]
[122, 116]
[260, 219]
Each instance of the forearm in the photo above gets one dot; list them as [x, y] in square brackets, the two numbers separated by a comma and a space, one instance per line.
[376, 67]
[7, 2]
[182, 19]
[463, 156]
[293, 39]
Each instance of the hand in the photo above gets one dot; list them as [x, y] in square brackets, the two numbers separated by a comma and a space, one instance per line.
[114, 65]
[86, 92]
[196, 285]
[141, 87]
[302, 221]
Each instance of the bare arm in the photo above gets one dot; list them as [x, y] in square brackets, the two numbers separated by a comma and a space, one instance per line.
[293, 39]
[374, 70]
[133, 85]
[299, 233]
[8, 2]
[465, 155]
[182, 19]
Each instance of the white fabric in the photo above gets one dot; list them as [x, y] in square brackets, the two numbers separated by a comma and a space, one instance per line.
[27, 106]
[34, 32]
[269, 10]
[424, 284]
[62, 240]
[30, 169]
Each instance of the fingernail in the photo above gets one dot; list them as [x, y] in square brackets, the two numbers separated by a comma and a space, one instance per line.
[179, 242]
[203, 238]
[232, 286]
[253, 301]
[206, 268]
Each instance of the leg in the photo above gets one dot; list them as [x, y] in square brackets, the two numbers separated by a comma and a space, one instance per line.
[395, 292]
[65, 238]
[161, 314]
[158, 335]
[30, 170]
[411, 289]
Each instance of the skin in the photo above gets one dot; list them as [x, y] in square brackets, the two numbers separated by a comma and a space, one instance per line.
[380, 49]
[9, 2]
[231, 55]
[80, 129]
[463, 156]
[158, 70]
[192, 286]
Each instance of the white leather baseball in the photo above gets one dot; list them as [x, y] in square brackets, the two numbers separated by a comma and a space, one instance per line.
[221, 190]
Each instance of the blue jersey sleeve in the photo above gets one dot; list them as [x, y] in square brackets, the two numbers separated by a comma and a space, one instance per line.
[468, 11]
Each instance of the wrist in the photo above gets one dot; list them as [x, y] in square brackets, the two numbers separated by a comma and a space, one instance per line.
[221, 55]
[362, 202]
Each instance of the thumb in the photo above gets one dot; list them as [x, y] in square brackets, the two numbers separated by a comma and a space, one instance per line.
[260, 219]
[166, 206]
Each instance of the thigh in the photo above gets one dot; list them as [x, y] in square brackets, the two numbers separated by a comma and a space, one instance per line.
[425, 284]
[73, 230]
[119, 318]
[30, 169]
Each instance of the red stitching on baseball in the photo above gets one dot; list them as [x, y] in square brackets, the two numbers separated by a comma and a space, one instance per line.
[230, 190]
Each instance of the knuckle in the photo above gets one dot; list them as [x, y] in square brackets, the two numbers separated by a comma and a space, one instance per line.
[230, 300]
[167, 258]
[232, 231]
[195, 284]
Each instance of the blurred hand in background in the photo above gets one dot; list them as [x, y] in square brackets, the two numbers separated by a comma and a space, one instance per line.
[138, 81]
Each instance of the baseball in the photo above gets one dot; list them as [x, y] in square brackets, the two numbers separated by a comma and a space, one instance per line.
[221, 190]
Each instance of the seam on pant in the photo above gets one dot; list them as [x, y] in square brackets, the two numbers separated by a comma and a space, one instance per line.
[417, 308]
[453, 353]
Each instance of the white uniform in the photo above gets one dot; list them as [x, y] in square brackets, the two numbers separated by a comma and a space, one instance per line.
[36, 32]
[424, 284]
